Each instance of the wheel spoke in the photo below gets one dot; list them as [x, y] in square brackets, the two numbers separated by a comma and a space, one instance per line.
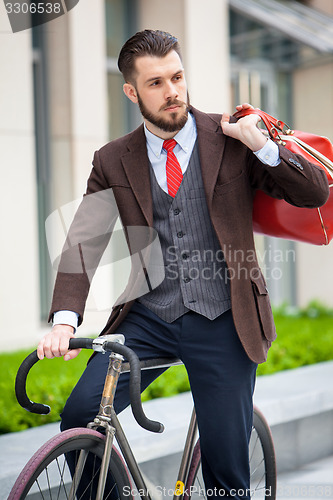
[48, 481]
[47, 475]
[62, 482]
[111, 491]
[256, 488]
[40, 490]
[262, 462]
[254, 445]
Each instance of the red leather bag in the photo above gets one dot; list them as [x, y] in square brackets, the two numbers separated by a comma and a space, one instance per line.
[277, 217]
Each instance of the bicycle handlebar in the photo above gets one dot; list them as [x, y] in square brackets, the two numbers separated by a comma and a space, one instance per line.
[84, 343]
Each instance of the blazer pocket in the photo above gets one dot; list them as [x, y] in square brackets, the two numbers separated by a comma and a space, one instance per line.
[230, 185]
[263, 305]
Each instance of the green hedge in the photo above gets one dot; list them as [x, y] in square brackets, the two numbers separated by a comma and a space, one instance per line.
[49, 382]
[304, 337]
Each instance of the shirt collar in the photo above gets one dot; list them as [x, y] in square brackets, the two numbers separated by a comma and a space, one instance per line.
[183, 137]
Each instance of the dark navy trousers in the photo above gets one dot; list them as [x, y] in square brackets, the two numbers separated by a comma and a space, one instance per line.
[222, 380]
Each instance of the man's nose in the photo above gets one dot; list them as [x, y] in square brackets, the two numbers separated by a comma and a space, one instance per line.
[171, 91]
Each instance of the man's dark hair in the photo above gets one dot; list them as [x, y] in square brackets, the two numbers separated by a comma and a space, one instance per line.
[148, 42]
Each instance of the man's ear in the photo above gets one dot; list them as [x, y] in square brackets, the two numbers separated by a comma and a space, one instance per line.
[130, 92]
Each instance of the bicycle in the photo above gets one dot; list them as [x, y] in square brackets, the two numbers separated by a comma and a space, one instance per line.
[83, 462]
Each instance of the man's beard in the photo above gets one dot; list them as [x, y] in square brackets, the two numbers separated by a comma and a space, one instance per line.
[176, 123]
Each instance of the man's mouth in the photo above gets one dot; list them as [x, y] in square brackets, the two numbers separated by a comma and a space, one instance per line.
[172, 108]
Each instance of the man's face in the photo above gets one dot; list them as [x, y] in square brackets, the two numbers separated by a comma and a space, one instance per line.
[161, 92]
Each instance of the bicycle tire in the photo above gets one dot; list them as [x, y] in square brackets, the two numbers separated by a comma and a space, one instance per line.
[261, 432]
[262, 464]
[46, 475]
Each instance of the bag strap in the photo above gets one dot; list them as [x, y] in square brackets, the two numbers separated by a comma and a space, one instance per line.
[274, 126]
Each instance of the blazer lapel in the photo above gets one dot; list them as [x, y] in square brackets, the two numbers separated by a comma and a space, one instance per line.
[211, 141]
[136, 166]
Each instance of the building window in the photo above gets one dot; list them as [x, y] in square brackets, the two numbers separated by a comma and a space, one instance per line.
[262, 61]
[42, 147]
[120, 18]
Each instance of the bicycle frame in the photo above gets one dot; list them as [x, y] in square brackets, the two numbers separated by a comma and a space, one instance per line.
[108, 419]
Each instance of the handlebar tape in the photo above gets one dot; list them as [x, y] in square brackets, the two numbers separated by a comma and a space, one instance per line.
[20, 387]
[135, 387]
[21, 378]
[78, 343]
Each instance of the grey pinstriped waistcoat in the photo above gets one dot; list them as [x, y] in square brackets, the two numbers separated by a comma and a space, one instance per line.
[195, 271]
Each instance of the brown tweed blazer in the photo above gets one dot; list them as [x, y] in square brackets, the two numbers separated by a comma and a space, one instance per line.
[231, 175]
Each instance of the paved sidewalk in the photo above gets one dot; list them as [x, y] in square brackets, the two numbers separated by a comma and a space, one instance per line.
[313, 481]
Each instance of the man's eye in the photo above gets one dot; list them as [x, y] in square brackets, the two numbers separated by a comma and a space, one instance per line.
[155, 83]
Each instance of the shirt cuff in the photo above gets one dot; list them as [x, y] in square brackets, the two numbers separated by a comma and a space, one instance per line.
[66, 318]
[269, 154]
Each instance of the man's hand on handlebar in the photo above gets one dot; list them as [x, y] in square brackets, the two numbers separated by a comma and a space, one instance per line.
[55, 343]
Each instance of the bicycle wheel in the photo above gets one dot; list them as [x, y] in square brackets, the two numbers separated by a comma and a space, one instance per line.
[47, 474]
[262, 464]
[262, 458]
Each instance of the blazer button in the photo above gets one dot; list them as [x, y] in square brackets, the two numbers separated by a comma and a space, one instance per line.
[176, 211]
[180, 234]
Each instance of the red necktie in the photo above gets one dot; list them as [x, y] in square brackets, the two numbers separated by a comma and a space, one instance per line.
[173, 170]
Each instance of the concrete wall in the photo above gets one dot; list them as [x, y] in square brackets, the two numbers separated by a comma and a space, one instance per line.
[323, 5]
[205, 51]
[78, 126]
[78, 115]
[313, 102]
[78, 109]
[19, 290]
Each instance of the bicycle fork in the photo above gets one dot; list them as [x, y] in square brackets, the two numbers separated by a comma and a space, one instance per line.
[103, 419]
